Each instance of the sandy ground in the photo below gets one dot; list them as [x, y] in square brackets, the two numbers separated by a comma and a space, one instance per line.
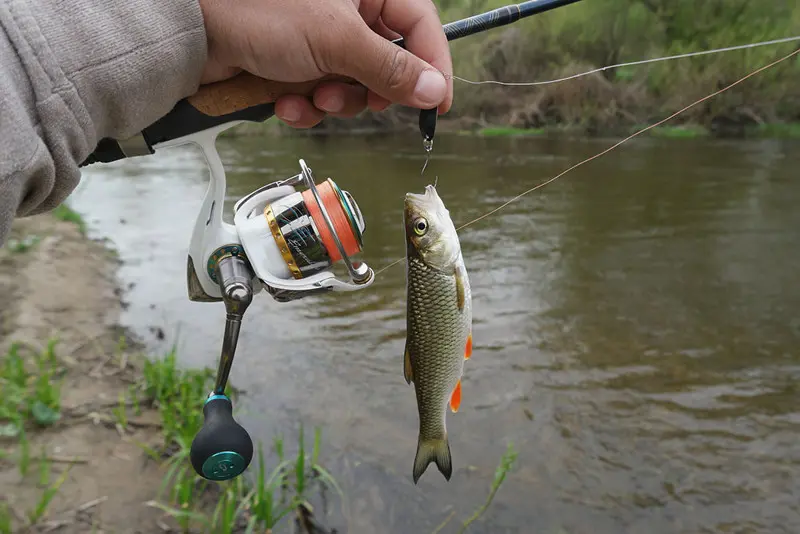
[65, 287]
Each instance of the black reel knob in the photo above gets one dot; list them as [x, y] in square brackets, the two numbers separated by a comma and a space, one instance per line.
[222, 449]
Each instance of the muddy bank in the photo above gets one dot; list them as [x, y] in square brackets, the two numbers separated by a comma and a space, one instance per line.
[57, 285]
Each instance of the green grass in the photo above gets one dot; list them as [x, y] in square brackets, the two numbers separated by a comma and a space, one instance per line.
[508, 131]
[254, 502]
[261, 498]
[5, 518]
[31, 391]
[65, 213]
[789, 130]
[49, 487]
[266, 495]
[20, 246]
[505, 466]
[31, 398]
[28, 242]
[684, 131]
[178, 395]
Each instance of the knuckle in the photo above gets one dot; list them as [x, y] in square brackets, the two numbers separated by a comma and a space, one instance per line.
[397, 69]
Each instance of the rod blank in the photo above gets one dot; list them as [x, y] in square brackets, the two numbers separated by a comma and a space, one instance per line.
[502, 16]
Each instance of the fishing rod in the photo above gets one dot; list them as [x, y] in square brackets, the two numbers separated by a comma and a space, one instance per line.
[248, 98]
[283, 240]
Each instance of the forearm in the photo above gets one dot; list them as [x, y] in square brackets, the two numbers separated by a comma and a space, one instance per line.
[76, 71]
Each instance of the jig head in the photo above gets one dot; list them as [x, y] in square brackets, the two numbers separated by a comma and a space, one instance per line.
[427, 128]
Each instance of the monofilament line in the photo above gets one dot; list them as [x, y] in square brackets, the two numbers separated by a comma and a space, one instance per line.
[629, 64]
[616, 145]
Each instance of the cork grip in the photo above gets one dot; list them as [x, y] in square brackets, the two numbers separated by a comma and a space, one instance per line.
[246, 90]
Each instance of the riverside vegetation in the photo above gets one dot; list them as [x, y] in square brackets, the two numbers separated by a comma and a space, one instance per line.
[594, 34]
[256, 502]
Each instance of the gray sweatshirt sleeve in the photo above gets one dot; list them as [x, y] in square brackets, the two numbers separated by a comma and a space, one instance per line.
[75, 71]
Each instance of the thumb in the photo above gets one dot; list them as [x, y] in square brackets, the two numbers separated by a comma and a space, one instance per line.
[392, 72]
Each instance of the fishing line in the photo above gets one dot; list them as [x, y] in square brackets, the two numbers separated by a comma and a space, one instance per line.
[606, 151]
[629, 64]
[609, 149]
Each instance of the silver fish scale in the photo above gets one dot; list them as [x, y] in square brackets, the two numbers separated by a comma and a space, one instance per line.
[437, 339]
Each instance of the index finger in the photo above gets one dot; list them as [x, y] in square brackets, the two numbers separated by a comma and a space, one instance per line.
[419, 23]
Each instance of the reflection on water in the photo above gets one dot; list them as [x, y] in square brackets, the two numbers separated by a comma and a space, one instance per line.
[636, 327]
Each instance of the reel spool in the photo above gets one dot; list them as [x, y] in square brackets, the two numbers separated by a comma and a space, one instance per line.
[294, 239]
[285, 241]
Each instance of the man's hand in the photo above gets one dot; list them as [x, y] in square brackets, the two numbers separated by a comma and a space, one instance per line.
[304, 40]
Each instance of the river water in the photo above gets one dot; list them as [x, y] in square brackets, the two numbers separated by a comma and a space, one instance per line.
[635, 336]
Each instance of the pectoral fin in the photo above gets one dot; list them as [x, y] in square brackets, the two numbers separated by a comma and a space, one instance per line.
[460, 289]
[408, 370]
[455, 398]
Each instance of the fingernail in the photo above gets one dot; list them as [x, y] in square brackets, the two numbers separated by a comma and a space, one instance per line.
[332, 104]
[431, 87]
[290, 113]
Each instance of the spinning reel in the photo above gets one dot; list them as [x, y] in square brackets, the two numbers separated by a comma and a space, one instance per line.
[282, 240]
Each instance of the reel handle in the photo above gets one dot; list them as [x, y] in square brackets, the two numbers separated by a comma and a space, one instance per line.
[222, 449]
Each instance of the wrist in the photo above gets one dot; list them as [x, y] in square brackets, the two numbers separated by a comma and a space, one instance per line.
[132, 60]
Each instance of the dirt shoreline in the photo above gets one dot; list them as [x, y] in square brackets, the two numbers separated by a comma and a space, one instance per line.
[65, 286]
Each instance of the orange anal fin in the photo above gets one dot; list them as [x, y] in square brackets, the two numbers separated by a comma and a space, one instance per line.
[468, 348]
[455, 398]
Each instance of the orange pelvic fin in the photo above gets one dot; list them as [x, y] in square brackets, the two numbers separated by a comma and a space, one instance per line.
[455, 398]
[468, 349]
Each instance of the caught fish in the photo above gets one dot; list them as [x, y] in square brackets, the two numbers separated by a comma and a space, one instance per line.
[438, 322]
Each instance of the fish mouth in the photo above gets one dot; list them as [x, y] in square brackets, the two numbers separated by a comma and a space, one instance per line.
[429, 198]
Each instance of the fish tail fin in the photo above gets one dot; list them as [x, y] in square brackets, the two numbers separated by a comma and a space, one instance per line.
[433, 450]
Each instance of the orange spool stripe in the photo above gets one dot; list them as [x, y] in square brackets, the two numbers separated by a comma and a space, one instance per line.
[338, 217]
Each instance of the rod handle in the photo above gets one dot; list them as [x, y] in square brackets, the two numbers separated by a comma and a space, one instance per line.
[246, 90]
[244, 97]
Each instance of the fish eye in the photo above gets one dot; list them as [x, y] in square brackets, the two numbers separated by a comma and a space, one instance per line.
[420, 226]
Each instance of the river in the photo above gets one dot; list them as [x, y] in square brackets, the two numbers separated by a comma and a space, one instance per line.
[636, 327]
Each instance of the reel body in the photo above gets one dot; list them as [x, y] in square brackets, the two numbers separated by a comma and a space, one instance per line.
[290, 239]
[283, 240]
[293, 238]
